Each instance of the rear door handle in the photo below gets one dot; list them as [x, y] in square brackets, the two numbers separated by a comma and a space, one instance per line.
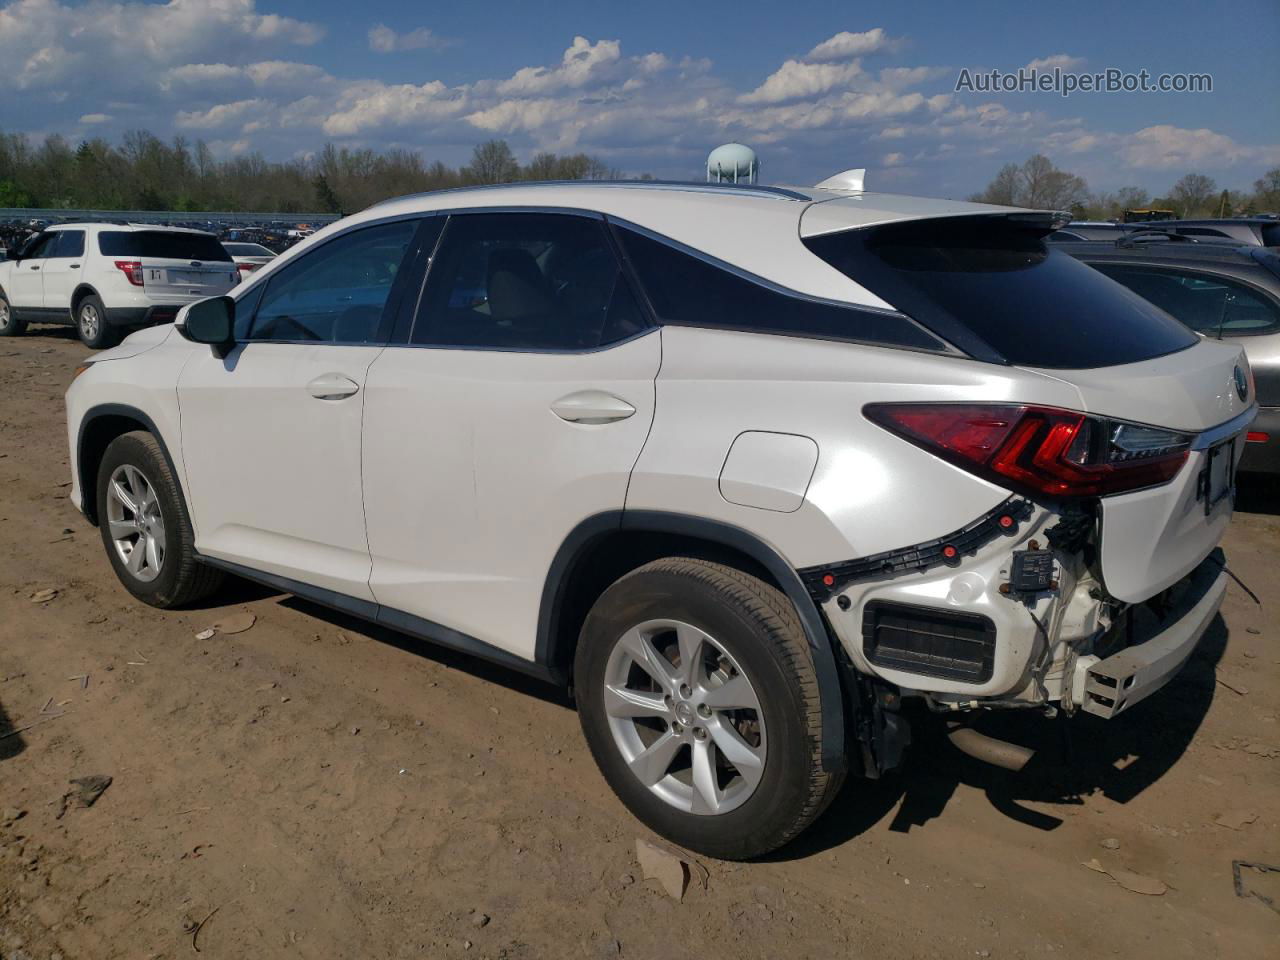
[35, 266]
[332, 386]
[592, 406]
[75, 266]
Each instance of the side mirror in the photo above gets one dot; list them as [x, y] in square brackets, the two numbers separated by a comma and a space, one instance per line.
[213, 322]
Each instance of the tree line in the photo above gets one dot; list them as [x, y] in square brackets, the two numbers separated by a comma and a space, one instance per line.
[143, 172]
[1038, 183]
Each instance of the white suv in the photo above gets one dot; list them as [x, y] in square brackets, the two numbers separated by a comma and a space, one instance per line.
[107, 277]
[749, 467]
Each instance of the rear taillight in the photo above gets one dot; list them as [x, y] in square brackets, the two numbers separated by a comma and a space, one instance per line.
[1257, 436]
[1041, 450]
[247, 267]
[131, 269]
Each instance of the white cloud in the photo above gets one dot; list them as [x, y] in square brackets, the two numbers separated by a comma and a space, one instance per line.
[795, 80]
[219, 116]
[583, 63]
[845, 45]
[892, 160]
[96, 118]
[1059, 61]
[382, 39]
[1166, 147]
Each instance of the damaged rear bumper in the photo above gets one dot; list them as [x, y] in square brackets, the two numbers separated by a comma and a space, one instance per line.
[1159, 648]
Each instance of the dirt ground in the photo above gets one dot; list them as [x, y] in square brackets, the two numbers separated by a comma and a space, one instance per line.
[318, 788]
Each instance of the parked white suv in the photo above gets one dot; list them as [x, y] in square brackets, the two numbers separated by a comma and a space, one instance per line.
[746, 466]
[105, 278]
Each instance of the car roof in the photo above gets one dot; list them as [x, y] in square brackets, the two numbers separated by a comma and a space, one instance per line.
[758, 229]
[1172, 250]
[126, 227]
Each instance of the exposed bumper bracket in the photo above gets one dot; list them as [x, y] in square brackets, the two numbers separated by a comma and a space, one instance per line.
[1108, 687]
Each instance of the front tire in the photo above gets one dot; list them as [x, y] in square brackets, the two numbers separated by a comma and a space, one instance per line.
[699, 700]
[92, 326]
[145, 526]
[10, 326]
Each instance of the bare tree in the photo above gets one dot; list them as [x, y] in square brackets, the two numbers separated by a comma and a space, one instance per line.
[493, 162]
[1003, 189]
[1193, 194]
[1266, 192]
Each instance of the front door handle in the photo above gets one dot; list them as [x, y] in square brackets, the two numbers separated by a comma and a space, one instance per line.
[35, 266]
[74, 266]
[332, 386]
[592, 406]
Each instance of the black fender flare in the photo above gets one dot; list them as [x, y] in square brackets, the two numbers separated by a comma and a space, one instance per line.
[551, 644]
[88, 483]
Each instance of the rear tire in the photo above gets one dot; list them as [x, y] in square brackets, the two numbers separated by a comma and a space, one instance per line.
[742, 642]
[145, 526]
[10, 326]
[92, 326]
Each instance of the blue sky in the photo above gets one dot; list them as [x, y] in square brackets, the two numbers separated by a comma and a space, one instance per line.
[651, 87]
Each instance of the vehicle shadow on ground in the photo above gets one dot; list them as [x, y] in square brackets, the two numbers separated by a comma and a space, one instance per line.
[1075, 758]
[49, 332]
[476, 667]
[13, 744]
[1257, 493]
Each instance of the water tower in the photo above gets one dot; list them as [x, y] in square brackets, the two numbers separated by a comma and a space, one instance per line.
[733, 163]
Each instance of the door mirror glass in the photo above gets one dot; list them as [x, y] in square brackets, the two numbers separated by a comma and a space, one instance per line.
[211, 321]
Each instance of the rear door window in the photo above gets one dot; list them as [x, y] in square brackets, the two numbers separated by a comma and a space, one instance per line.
[1205, 302]
[161, 245]
[997, 291]
[526, 281]
[70, 244]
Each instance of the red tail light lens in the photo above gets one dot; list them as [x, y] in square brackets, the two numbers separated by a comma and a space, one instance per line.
[1041, 450]
[247, 267]
[131, 269]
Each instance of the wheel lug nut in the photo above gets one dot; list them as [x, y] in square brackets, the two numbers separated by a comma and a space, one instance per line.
[668, 701]
[699, 733]
[704, 710]
[684, 690]
[676, 728]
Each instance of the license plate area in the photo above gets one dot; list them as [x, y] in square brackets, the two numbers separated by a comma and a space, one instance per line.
[1217, 478]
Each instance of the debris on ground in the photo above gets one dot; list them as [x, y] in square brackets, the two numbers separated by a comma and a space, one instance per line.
[89, 789]
[1236, 819]
[44, 596]
[669, 868]
[1111, 843]
[233, 623]
[479, 919]
[1136, 882]
[1257, 872]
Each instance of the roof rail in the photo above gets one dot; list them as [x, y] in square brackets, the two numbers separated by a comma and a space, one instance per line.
[694, 186]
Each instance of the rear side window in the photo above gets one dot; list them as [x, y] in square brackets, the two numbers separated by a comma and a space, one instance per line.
[1205, 302]
[70, 243]
[1271, 234]
[161, 245]
[998, 292]
[691, 291]
[526, 281]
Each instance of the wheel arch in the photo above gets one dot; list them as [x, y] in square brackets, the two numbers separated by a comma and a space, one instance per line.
[81, 291]
[98, 427]
[606, 546]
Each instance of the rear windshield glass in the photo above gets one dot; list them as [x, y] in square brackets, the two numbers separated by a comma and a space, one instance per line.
[160, 244]
[994, 289]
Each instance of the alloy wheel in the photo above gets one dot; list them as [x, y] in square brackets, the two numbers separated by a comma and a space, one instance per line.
[685, 717]
[4, 315]
[135, 522]
[90, 322]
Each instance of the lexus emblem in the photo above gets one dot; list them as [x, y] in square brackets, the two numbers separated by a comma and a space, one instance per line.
[1242, 385]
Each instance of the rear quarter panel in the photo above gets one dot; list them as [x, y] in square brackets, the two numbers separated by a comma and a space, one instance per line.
[870, 490]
